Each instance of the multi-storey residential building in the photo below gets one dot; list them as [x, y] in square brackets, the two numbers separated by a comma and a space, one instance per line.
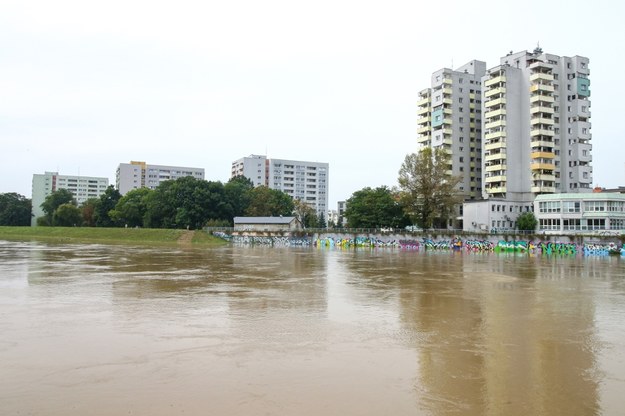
[136, 175]
[305, 181]
[536, 135]
[536, 126]
[449, 116]
[82, 187]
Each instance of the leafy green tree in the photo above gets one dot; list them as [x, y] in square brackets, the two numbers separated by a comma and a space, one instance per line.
[67, 215]
[185, 203]
[428, 192]
[53, 201]
[265, 202]
[237, 195]
[526, 222]
[88, 211]
[131, 208]
[374, 208]
[108, 201]
[15, 209]
[305, 213]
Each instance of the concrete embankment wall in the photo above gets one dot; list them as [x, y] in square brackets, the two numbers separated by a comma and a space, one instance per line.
[415, 240]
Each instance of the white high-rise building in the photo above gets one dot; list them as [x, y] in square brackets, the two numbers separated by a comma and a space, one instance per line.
[136, 175]
[536, 126]
[449, 116]
[82, 187]
[305, 181]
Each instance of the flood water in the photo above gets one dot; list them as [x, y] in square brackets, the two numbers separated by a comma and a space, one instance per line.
[118, 330]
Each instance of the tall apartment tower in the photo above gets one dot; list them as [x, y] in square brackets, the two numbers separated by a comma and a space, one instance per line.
[306, 181]
[136, 175]
[536, 126]
[449, 116]
[81, 187]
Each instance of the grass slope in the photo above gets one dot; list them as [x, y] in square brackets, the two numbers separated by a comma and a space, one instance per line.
[108, 235]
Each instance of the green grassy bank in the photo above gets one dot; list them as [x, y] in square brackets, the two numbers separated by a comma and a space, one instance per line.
[110, 235]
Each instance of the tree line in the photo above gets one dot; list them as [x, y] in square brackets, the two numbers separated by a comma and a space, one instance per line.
[426, 197]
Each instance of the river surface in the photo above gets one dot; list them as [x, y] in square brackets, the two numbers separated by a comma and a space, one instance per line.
[119, 330]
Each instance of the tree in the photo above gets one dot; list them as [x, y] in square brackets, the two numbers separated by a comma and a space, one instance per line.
[428, 191]
[185, 203]
[305, 213]
[526, 222]
[321, 221]
[67, 215]
[237, 195]
[265, 202]
[15, 209]
[53, 201]
[88, 211]
[374, 208]
[108, 200]
[131, 208]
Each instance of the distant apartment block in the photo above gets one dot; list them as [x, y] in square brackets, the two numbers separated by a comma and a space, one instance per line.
[136, 175]
[305, 181]
[82, 187]
[449, 117]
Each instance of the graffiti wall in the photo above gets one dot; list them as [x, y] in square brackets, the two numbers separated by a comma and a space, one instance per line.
[338, 241]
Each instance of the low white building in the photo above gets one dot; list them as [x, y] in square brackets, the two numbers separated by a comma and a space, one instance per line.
[581, 212]
[82, 187]
[270, 224]
[492, 215]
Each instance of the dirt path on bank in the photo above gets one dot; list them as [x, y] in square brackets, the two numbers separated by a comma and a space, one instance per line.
[186, 237]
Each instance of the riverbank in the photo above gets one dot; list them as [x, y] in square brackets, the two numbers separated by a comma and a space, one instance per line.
[111, 235]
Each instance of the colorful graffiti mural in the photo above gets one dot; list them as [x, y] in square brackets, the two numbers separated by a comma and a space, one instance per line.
[455, 244]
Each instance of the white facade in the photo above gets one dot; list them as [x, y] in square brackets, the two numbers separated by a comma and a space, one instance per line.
[449, 116]
[572, 213]
[135, 175]
[305, 181]
[492, 215]
[536, 126]
[82, 187]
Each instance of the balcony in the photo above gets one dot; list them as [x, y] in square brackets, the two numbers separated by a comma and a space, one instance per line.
[542, 98]
[495, 179]
[424, 102]
[423, 129]
[495, 80]
[541, 120]
[495, 157]
[495, 91]
[495, 113]
[541, 109]
[542, 166]
[543, 155]
[494, 168]
[423, 110]
[543, 189]
[543, 177]
[495, 145]
[495, 102]
[495, 124]
[447, 91]
[540, 76]
[495, 135]
[541, 132]
[448, 101]
[542, 87]
[496, 190]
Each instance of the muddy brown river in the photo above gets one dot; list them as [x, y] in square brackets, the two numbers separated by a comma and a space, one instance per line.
[119, 330]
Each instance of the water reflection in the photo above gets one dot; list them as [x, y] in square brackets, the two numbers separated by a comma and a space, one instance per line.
[298, 331]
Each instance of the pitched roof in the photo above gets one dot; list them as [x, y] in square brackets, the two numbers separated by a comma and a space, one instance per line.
[263, 220]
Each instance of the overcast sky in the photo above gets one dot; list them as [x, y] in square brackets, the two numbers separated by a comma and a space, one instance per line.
[87, 85]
